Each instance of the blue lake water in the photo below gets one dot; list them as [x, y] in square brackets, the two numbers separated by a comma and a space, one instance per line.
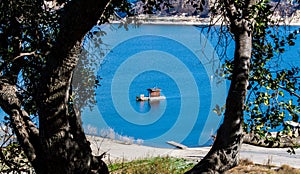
[179, 60]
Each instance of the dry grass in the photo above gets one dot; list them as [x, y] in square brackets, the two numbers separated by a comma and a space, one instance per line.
[157, 165]
[249, 167]
[168, 165]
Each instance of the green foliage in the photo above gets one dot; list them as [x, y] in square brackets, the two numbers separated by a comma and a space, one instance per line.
[114, 7]
[27, 31]
[153, 165]
[12, 158]
[273, 91]
[273, 96]
[84, 80]
[219, 110]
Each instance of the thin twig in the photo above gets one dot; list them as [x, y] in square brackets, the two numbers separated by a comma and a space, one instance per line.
[24, 54]
[289, 91]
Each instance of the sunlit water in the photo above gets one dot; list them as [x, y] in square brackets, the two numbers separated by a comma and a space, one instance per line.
[179, 60]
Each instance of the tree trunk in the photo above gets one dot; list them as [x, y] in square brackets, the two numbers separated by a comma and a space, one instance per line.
[66, 148]
[224, 153]
[59, 144]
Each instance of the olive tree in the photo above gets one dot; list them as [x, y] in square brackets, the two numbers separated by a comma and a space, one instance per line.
[41, 41]
[249, 23]
[40, 44]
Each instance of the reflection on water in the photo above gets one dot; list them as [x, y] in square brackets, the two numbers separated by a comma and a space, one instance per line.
[146, 106]
[154, 104]
[149, 56]
[143, 106]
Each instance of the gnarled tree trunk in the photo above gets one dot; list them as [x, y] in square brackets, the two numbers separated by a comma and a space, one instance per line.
[59, 144]
[224, 153]
[62, 138]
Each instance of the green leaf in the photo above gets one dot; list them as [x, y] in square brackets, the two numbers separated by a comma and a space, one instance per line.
[266, 102]
[281, 93]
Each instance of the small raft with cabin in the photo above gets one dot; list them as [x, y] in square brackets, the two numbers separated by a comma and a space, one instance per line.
[154, 94]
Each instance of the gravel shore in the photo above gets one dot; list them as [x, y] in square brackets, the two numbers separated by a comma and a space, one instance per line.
[118, 151]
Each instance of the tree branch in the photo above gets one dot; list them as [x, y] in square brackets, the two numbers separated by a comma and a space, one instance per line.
[289, 91]
[24, 54]
[24, 128]
[104, 11]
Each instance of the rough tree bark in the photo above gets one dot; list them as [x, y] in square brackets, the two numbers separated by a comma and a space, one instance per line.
[66, 147]
[25, 130]
[224, 153]
[59, 144]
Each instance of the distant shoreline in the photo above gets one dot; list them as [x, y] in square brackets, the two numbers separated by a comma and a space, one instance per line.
[193, 20]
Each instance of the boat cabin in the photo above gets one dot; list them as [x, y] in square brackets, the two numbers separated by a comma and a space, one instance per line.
[154, 92]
